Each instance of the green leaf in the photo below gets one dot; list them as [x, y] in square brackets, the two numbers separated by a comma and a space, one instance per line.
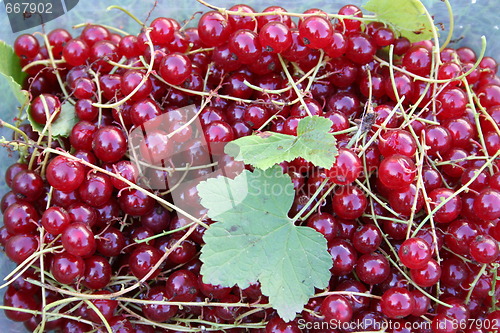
[313, 143]
[406, 16]
[10, 68]
[63, 124]
[255, 240]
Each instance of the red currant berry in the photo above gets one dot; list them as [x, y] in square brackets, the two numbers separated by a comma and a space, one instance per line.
[26, 46]
[55, 220]
[275, 37]
[67, 268]
[175, 68]
[414, 253]
[349, 202]
[487, 204]
[450, 210]
[336, 308]
[397, 303]
[214, 29]
[78, 239]
[397, 172]
[142, 260]
[158, 312]
[45, 107]
[316, 32]
[346, 169]
[484, 249]
[162, 32]
[109, 144]
[427, 276]
[245, 44]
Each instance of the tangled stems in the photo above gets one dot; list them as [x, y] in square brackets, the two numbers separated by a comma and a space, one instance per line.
[457, 192]
[141, 83]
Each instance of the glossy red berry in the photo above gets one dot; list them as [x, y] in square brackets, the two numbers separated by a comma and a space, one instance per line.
[20, 300]
[451, 208]
[20, 247]
[135, 80]
[65, 174]
[96, 189]
[28, 184]
[97, 272]
[397, 171]
[325, 224]
[158, 312]
[372, 268]
[76, 52]
[344, 256]
[20, 218]
[487, 204]
[67, 268]
[418, 60]
[360, 48]
[336, 308]
[346, 169]
[484, 249]
[181, 286]
[156, 147]
[397, 303]
[245, 44]
[175, 68]
[93, 33]
[214, 29]
[110, 242]
[427, 276]
[135, 202]
[162, 31]
[348, 24]
[275, 37]
[109, 144]
[45, 107]
[277, 325]
[143, 259]
[349, 202]
[397, 142]
[26, 46]
[367, 238]
[55, 220]
[316, 32]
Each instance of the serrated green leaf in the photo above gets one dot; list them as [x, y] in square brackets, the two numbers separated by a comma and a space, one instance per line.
[10, 64]
[10, 68]
[405, 16]
[255, 240]
[313, 143]
[63, 124]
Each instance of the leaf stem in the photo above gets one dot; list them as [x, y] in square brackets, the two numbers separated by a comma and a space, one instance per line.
[132, 16]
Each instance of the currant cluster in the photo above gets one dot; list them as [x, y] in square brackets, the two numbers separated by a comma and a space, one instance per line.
[410, 208]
